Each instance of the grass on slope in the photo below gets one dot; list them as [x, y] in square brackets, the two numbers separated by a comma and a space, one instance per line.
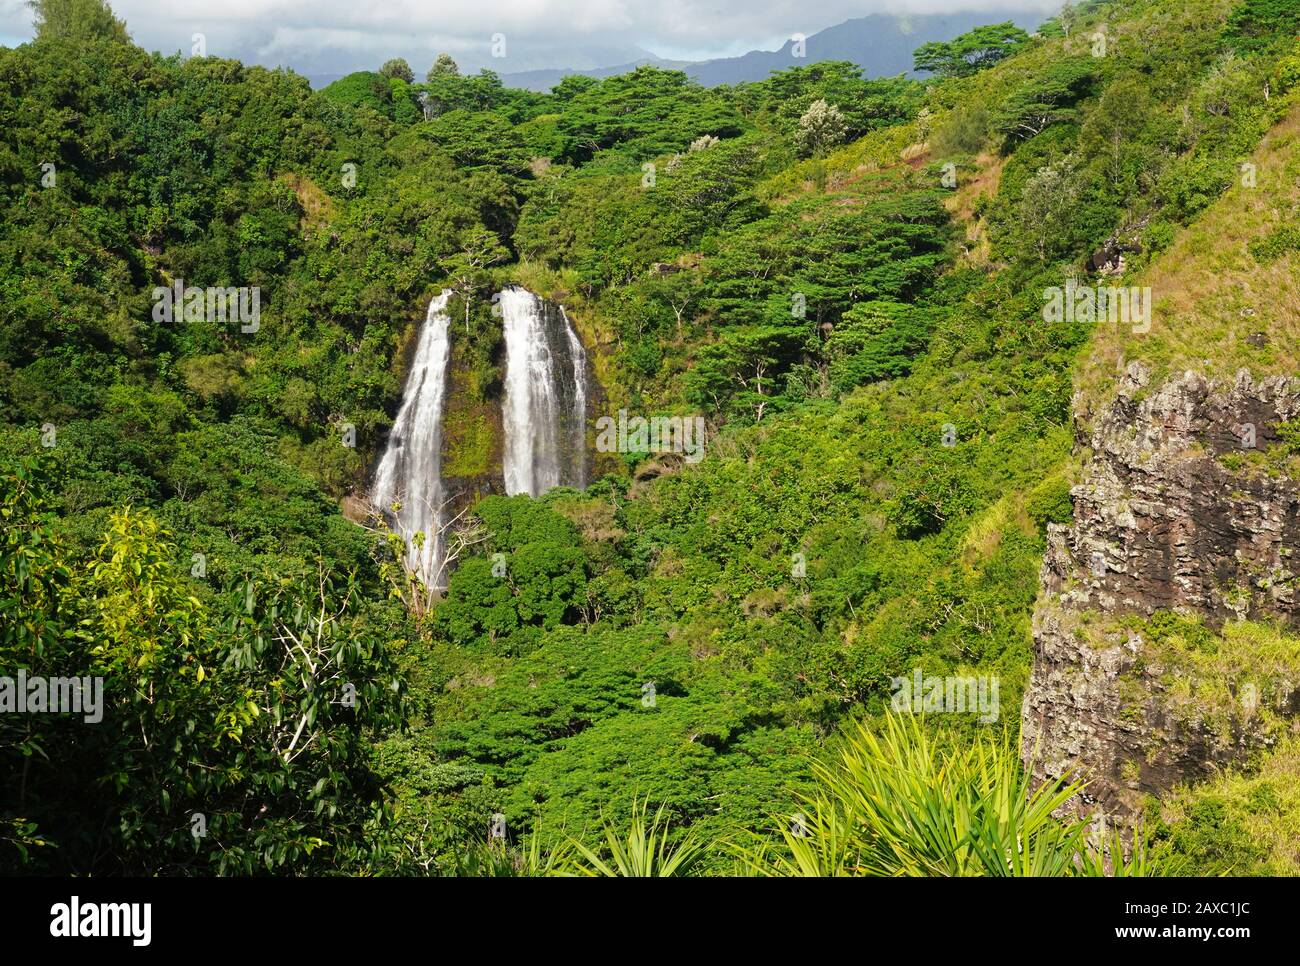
[1219, 307]
[1240, 823]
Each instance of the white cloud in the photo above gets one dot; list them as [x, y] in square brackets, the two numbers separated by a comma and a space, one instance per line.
[314, 35]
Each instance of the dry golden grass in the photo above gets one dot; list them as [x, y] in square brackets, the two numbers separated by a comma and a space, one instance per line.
[971, 188]
[961, 204]
[317, 207]
[1212, 300]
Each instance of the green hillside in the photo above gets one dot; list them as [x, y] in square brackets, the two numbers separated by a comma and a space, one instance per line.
[843, 276]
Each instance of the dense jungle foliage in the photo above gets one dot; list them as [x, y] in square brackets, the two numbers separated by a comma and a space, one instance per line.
[842, 274]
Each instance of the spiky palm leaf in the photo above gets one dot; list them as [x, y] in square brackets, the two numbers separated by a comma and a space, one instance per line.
[642, 851]
[530, 860]
[894, 804]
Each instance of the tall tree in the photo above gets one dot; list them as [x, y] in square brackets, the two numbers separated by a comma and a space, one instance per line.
[820, 128]
[443, 66]
[972, 52]
[399, 68]
[76, 20]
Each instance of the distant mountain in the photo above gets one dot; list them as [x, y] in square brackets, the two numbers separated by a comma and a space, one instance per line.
[322, 65]
[543, 80]
[317, 81]
[881, 44]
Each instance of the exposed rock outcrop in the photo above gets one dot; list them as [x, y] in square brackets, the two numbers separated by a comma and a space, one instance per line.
[1164, 520]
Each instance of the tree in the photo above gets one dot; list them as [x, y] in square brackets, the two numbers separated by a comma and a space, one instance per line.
[820, 128]
[1111, 133]
[77, 20]
[479, 249]
[571, 86]
[740, 373]
[1047, 99]
[398, 68]
[475, 139]
[419, 592]
[1067, 18]
[646, 113]
[875, 340]
[443, 66]
[1063, 24]
[972, 52]
[1258, 24]
[864, 103]
[234, 722]
[1046, 205]
[369, 89]
[541, 586]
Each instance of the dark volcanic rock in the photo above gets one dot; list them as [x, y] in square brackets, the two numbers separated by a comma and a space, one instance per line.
[1160, 523]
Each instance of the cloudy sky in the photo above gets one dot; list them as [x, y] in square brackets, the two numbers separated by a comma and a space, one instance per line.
[324, 36]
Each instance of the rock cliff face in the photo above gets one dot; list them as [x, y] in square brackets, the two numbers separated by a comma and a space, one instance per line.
[1172, 515]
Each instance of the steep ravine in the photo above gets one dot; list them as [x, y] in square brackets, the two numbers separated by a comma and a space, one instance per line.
[1175, 514]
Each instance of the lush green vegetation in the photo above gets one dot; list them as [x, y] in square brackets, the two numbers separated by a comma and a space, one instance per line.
[842, 274]
[971, 52]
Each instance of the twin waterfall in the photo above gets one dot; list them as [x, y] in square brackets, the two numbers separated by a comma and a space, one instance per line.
[543, 420]
[545, 406]
[410, 473]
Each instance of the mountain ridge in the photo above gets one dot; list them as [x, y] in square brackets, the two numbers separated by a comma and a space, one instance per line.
[882, 44]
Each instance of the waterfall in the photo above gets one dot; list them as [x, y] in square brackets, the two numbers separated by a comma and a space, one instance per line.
[545, 406]
[410, 472]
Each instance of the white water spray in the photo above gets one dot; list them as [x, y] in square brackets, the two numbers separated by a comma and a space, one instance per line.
[410, 472]
[545, 406]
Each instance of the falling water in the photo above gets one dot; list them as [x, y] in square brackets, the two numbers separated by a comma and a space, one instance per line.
[545, 407]
[410, 473]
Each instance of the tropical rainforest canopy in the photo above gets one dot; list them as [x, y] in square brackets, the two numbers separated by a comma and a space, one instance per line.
[841, 274]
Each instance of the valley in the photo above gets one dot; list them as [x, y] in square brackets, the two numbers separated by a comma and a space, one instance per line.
[820, 475]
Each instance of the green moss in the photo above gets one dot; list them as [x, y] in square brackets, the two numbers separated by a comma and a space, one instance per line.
[1050, 502]
[1244, 822]
[470, 440]
[1228, 681]
[1134, 691]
